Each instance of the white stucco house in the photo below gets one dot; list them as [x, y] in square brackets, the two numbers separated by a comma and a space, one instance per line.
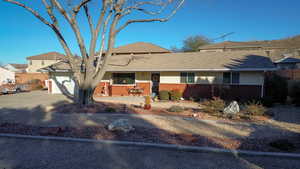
[6, 76]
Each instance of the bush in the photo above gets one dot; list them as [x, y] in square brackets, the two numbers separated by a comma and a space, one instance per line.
[276, 88]
[164, 95]
[214, 106]
[175, 95]
[176, 109]
[295, 93]
[283, 144]
[110, 110]
[35, 81]
[255, 109]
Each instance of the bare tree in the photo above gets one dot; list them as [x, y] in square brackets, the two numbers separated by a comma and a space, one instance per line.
[88, 72]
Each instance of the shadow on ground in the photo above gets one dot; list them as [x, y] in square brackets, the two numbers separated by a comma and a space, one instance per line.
[33, 120]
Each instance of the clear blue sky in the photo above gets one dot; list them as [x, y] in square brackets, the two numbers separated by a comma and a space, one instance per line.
[22, 35]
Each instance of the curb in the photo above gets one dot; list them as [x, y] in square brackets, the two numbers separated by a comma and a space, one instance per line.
[157, 145]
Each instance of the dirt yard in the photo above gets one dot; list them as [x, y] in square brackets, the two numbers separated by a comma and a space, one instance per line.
[32, 110]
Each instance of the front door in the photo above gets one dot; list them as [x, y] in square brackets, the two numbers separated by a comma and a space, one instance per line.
[155, 78]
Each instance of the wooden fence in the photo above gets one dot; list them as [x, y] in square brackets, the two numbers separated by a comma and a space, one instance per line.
[22, 78]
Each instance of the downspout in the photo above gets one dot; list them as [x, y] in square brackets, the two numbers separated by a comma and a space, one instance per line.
[263, 85]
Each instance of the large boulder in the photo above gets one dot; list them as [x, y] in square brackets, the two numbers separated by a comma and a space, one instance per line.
[232, 109]
[121, 125]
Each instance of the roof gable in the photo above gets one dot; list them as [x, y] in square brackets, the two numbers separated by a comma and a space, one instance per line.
[47, 56]
[140, 47]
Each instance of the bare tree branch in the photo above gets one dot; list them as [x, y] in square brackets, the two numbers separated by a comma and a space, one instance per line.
[50, 12]
[73, 22]
[102, 42]
[89, 18]
[151, 20]
[35, 13]
[95, 35]
[78, 7]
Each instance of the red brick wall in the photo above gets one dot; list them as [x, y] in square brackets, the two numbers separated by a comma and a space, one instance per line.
[121, 90]
[25, 77]
[229, 92]
[102, 89]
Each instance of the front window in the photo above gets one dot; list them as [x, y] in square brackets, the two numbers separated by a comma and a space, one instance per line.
[186, 77]
[226, 77]
[231, 77]
[123, 78]
[43, 63]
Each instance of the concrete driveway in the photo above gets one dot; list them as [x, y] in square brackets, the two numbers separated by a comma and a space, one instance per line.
[30, 99]
[41, 154]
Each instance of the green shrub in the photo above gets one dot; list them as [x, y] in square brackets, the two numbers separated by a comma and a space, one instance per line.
[283, 144]
[164, 95]
[110, 110]
[35, 81]
[254, 108]
[214, 106]
[295, 93]
[276, 88]
[175, 95]
[176, 109]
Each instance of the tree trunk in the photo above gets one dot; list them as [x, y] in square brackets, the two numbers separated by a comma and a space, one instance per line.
[85, 96]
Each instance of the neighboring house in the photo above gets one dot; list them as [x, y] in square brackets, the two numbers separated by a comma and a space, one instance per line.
[6, 76]
[39, 61]
[17, 68]
[234, 75]
[139, 48]
[238, 46]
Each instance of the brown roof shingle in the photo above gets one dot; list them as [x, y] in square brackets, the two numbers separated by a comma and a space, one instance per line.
[47, 56]
[19, 66]
[196, 61]
[140, 47]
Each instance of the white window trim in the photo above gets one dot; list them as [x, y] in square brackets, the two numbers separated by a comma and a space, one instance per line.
[195, 78]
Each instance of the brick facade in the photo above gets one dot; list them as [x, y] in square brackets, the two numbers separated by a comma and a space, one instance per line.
[105, 89]
[26, 77]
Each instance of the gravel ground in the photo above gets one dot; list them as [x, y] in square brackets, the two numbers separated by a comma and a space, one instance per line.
[139, 100]
[41, 154]
[20, 108]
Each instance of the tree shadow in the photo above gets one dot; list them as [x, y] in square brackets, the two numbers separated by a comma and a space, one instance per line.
[57, 122]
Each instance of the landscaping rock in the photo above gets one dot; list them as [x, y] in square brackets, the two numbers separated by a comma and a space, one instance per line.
[233, 108]
[121, 125]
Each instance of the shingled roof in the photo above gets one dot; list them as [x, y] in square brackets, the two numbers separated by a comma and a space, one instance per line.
[19, 66]
[196, 61]
[47, 56]
[232, 44]
[139, 47]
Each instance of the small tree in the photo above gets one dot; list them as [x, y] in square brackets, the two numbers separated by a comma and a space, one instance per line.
[192, 43]
[90, 68]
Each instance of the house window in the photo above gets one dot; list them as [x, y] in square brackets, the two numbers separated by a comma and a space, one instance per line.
[43, 63]
[226, 77]
[235, 78]
[123, 78]
[186, 77]
[30, 62]
[231, 77]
